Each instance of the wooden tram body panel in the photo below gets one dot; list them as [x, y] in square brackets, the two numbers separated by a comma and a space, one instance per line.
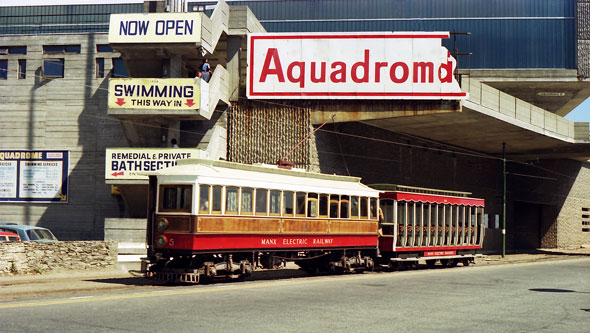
[424, 225]
[201, 234]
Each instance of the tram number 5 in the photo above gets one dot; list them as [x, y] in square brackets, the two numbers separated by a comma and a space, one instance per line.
[171, 242]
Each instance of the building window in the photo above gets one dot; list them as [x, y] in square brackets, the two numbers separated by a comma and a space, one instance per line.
[53, 67]
[13, 50]
[119, 69]
[99, 67]
[104, 48]
[59, 49]
[22, 68]
[3, 69]
[585, 219]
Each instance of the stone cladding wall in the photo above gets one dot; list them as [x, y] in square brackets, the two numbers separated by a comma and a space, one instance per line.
[37, 257]
[569, 221]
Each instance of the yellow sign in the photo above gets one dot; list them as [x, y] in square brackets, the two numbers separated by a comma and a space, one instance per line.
[155, 28]
[170, 94]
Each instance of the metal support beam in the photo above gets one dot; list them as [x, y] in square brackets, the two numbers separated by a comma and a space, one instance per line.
[504, 200]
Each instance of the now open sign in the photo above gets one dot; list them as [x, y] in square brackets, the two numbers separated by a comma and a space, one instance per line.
[155, 28]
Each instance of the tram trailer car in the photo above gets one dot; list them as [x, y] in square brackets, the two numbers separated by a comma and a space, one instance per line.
[427, 224]
[210, 219]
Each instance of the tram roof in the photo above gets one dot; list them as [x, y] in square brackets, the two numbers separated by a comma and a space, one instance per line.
[212, 172]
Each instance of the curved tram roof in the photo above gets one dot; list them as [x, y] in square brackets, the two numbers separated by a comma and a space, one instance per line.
[203, 171]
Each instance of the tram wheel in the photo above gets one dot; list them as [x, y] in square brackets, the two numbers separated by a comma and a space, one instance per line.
[431, 262]
[452, 263]
[466, 262]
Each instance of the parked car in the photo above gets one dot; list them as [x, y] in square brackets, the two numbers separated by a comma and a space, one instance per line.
[29, 232]
[6, 236]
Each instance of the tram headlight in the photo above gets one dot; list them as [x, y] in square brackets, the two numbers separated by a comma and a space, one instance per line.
[162, 224]
[161, 241]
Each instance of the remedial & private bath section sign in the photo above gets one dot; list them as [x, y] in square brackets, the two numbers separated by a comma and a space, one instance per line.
[396, 65]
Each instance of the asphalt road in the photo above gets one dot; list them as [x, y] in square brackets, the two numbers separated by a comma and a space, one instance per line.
[530, 297]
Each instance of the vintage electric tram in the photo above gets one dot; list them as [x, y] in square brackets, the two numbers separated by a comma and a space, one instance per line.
[221, 219]
[211, 219]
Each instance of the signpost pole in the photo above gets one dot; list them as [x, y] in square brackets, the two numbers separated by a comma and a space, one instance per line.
[504, 200]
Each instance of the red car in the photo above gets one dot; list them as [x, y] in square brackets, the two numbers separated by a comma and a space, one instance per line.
[6, 236]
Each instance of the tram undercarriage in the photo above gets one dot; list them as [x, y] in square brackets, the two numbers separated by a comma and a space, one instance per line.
[236, 266]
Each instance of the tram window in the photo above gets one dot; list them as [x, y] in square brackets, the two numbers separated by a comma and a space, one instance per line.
[231, 200]
[344, 200]
[176, 198]
[275, 203]
[204, 199]
[300, 204]
[373, 208]
[387, 208]
[324, 205]
[401, 212]
[354, 207]
[261, 199]
[216, 200]
[312, 205]
[334, 200]
[246, 202]
[287, 203]
[364, 210]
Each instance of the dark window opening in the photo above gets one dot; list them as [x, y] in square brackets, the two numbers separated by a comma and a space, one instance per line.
[54, 49]
[53, 67]
[3, 69]
[99, 67]
[104, 48]
[13, 50]
[119, 69]
[22, 68]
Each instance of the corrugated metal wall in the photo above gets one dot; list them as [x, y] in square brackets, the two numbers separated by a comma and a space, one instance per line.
[583, 19]
[504, 33]
[61, 19]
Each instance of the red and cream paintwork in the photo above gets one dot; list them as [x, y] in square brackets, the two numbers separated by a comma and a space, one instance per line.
[221, 231]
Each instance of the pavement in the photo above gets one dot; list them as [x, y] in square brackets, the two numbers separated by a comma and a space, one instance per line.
[34, 285]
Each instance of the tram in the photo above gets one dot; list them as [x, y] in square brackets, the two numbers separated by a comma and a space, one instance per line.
[211, 219]
[216, 219]
[431, 225]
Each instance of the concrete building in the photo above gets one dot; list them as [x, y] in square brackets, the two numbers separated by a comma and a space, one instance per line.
[525, 66]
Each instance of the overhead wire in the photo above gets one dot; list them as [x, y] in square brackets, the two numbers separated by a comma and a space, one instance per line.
[461, 151]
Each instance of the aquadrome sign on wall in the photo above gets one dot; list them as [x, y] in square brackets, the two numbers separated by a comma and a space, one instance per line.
[397, 65]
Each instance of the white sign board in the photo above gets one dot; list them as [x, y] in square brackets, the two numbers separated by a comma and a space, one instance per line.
[398, 65]
[155, 28]
[128, 163]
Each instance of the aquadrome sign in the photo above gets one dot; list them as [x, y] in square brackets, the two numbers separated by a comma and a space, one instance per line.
[397, 65]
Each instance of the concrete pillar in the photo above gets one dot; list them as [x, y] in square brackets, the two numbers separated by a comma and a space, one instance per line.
[175, 66]
[234, 44]
[173, 131]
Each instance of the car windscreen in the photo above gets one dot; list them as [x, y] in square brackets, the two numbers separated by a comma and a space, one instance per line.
[40, 234]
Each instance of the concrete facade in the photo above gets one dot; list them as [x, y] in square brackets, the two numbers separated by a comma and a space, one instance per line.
[63, 113]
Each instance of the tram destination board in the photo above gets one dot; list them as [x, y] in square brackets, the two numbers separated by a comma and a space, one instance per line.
[34, 175]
